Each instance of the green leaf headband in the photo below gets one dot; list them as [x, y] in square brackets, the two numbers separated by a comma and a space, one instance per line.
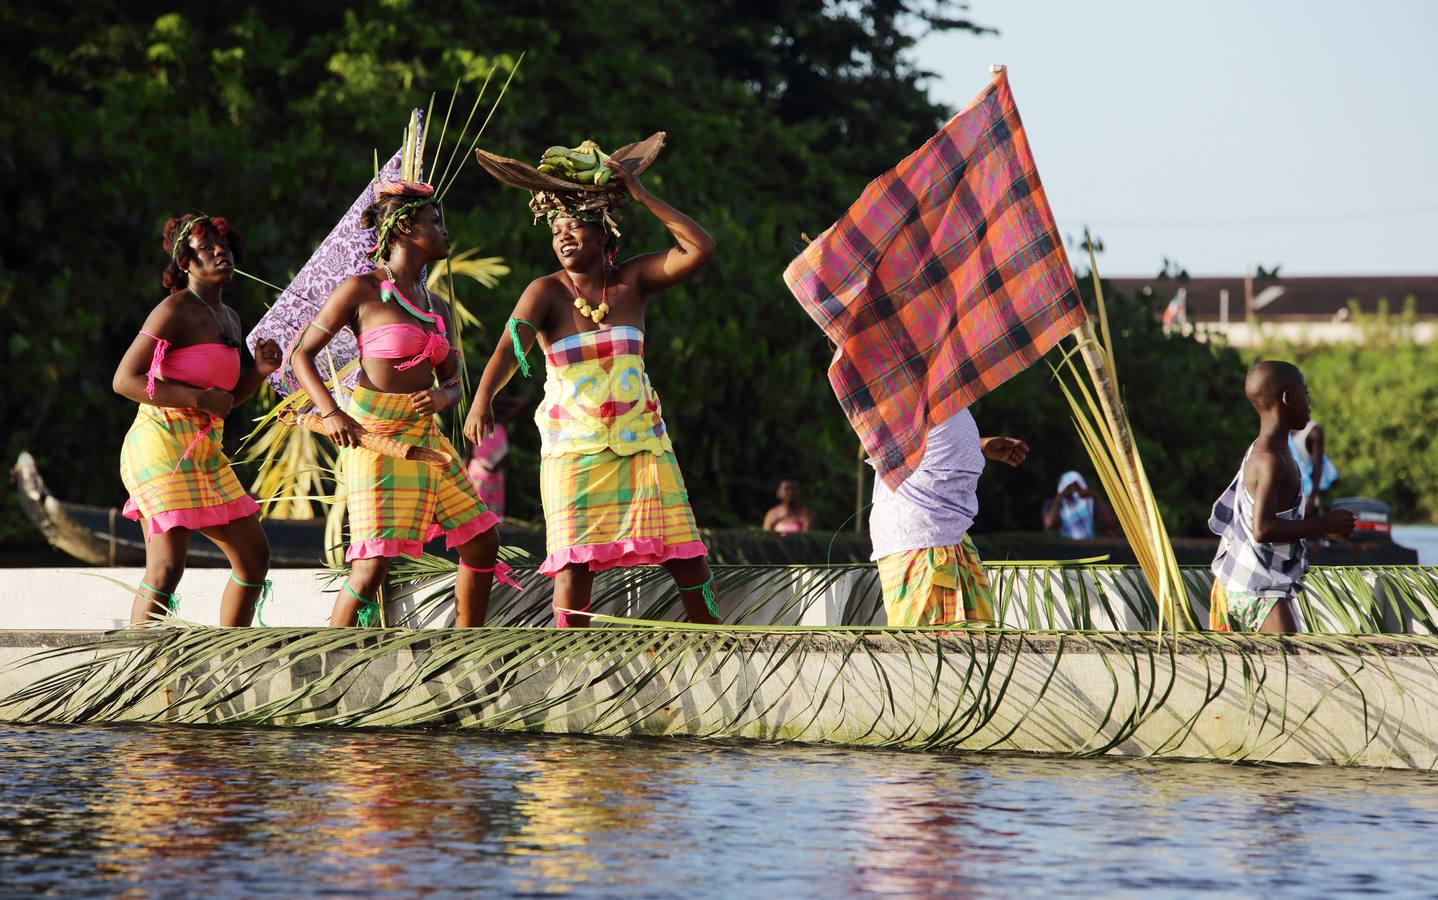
[182, 239]
[376, 253]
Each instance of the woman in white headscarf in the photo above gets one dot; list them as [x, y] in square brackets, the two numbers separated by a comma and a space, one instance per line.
[1071, 511]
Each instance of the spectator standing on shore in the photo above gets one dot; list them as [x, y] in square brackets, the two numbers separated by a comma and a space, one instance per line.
[791, 515]
[1314, 466]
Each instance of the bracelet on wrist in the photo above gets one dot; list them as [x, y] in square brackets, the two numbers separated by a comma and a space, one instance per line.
[330, 413]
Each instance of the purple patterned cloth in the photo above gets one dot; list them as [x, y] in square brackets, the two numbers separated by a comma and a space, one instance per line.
[339, 256]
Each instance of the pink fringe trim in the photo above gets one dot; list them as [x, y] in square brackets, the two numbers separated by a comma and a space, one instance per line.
[390, 547]
[193, 519]
[386, 547]
[476, 526]
[646, 552]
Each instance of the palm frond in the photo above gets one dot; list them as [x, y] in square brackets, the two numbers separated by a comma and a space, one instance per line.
[1047, 596]
[1342, 700]
[1104, 430]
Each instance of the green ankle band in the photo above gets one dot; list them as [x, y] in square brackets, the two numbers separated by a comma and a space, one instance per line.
[711, 602]
[367, 616]
[172, 601]
[265, 588]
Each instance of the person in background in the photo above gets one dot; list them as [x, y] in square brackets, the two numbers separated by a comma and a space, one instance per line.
[1314, 466]
[791, 515]
[929, 569]
[486, 468]
[1259, 519]
[1076, 512]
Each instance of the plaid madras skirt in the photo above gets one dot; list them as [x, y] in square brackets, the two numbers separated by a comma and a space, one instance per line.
[396, 505]
[606, 510]
[177, 473]
[936, 586]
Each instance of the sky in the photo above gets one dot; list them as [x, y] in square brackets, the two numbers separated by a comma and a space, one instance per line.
[1223, 134]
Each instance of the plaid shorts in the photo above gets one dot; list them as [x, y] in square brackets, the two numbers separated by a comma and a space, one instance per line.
[395, 505]
[936, 586]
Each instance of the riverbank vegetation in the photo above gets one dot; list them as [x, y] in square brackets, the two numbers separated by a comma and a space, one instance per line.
[777, 117]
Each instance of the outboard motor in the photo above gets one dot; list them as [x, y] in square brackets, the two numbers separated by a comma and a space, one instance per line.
[1372, 523]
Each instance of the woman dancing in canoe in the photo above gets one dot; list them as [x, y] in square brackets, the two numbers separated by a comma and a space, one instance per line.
[395, 505]
[610, 486]
[186, 371]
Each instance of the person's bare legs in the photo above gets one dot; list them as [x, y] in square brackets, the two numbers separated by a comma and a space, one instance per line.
[366, 578]
[248, 550]
[164, 566]
[573, 586]
[690, 576]
[1281, 619]
[471, 589]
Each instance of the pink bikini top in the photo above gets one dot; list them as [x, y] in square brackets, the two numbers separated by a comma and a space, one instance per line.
[202, 365]
[405, 340]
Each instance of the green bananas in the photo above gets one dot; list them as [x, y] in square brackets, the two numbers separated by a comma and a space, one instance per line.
[585, 164]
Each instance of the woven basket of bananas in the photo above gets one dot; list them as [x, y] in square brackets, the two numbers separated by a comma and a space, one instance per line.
[584, 168]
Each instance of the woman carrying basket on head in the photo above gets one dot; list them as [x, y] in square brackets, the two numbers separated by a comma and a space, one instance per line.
[609, 483]
[396, 505]
[186, 370]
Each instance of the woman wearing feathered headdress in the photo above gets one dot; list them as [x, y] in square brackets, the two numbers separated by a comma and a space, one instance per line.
[609, 483]
[396, 505]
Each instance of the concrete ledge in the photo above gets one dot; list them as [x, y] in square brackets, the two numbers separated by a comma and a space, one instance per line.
[1039, 597]
[1363, 700]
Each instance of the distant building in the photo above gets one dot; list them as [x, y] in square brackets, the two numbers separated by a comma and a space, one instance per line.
[1302, 309]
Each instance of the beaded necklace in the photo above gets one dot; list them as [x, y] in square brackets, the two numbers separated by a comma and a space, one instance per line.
[389, 290]
[581, 304]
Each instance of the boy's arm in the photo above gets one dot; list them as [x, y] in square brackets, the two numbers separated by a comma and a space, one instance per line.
[1268, 528]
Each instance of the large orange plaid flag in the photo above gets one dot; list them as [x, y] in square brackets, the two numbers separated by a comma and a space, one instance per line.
[946, 278]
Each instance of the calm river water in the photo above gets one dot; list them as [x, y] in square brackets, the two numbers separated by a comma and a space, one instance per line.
[238, 813]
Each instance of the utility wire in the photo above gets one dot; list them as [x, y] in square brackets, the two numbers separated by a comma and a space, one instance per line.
[1266, 220]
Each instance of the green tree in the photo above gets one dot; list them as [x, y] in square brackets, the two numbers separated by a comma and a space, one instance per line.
[777, 115]
[1377, 400]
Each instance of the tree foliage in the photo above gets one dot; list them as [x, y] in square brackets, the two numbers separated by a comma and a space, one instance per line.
[777, 114]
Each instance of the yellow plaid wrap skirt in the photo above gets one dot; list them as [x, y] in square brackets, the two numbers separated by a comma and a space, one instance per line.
[606, 509]
[936, 586]
[176, 471]
[396, 505]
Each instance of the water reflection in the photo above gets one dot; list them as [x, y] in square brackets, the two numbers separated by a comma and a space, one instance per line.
[237, 812]
[571, 791]
[924, 836]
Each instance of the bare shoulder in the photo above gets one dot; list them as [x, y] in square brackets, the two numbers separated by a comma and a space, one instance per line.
[1267, 468]
[356, 289]
[169, 317]
[549, 286]
[366, 281]
[544, 292]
